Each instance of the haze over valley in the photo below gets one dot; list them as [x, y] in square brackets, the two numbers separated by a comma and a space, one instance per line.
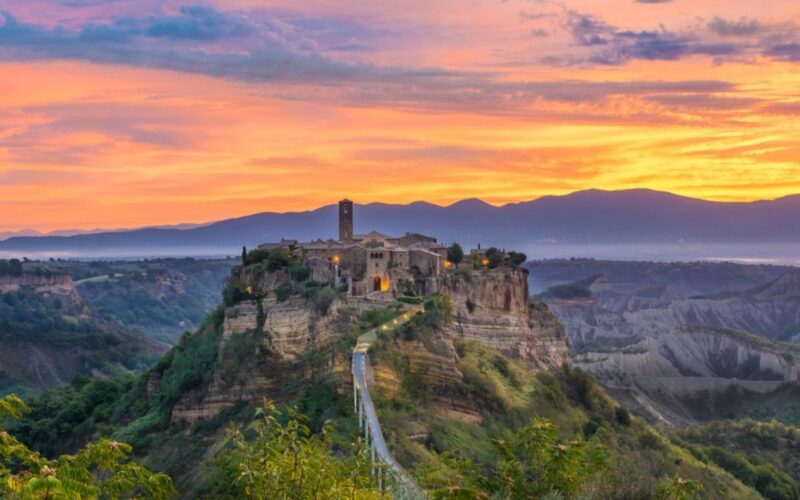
[632, 225]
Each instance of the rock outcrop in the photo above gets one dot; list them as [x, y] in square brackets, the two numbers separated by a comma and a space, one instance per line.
[266, 348]
[46, 284]
[489, 307]
[493, 307]
[240, 318]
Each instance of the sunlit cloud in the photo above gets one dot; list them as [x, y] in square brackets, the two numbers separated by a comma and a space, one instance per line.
[131, 113]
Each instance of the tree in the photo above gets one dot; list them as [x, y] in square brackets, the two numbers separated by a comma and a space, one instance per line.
[100, 470]
[535, 462]
[455, 254]
[517, 258]
[287, 461]
[495, 257]
[16, 267]
[12, 267]
[244, 256]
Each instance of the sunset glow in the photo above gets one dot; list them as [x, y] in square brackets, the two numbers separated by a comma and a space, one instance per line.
[131, 113]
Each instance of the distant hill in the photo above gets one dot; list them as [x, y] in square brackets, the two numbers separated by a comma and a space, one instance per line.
[584, 217]
[49, 335]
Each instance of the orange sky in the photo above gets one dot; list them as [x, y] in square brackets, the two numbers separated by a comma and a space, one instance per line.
[126, 114]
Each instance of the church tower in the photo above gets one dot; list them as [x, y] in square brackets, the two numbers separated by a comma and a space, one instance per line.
[345, 220]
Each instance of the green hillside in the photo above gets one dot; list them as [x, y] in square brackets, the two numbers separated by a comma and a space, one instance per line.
[616, 455]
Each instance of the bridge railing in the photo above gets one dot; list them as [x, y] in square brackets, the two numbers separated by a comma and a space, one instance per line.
[401, 485]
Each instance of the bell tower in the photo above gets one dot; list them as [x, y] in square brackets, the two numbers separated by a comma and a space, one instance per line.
[345, 220]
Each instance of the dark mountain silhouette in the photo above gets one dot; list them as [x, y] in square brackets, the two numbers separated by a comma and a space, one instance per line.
[584, 217]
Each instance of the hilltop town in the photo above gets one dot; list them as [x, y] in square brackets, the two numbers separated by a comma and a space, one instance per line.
[373, 263]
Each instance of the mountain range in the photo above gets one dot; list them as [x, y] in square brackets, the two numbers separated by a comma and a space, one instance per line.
[585, 217]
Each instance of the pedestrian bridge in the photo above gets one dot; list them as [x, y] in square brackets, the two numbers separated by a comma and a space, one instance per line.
[389, 474]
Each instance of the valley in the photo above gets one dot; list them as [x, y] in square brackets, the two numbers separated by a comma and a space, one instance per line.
[481, 360]
[682, 343]
[61, 319]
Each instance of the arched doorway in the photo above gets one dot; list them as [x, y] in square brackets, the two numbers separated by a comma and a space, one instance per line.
[376, 284]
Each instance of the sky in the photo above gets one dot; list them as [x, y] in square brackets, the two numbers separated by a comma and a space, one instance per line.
[122, 113]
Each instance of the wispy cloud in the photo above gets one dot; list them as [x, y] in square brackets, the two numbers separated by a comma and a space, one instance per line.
[123, 112]
[720, 39]
[275, 50]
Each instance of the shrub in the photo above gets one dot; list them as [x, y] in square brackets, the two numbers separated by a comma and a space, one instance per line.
[622, 415]
[299, 273]
[591, 426]
[464, 273]
[278, 259]
[256, 256]
[470, 306]
[284, 291]
[288, 460]
[408, 287]
[101, 469]
[235, 292]
[438, 310]
[323, 300]
[536, 462]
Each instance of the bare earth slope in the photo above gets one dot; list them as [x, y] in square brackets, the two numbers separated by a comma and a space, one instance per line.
[680, 359]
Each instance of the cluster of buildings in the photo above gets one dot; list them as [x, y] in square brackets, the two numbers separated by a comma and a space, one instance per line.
[372, 262]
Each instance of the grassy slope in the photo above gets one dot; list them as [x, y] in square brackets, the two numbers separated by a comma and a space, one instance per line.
[508, 395]
[764, 455]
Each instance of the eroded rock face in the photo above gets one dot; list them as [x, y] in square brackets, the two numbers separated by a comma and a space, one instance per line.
[273, 360]
[57, 284]
[697, 353]
[241, 318]
[293, 327]
[681, 359]
[492, 307]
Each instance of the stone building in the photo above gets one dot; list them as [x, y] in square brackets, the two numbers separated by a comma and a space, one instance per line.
[372, 262]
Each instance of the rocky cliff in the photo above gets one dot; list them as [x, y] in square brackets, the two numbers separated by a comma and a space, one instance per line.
[48, 284]
[489, 308]
[493, 308]
[271, 341]
[267, 349]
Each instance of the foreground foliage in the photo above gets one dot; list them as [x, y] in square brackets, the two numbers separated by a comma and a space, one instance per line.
[763, 455]
[100, 470]
[288, 461]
